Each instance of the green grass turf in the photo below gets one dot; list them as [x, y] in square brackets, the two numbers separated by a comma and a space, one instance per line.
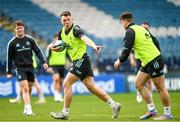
[88, 108]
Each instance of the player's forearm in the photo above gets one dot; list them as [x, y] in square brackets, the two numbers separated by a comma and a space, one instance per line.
[88, 41]
[131, 58]
[124, 56]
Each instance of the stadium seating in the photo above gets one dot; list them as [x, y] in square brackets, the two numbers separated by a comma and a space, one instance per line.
[43, 23]
[4, 39]
[158, 13]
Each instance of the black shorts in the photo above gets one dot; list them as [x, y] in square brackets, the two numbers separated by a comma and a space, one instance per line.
[138, 65]
[82, 67]
[59, 69]
[25, 73]
[155, 68]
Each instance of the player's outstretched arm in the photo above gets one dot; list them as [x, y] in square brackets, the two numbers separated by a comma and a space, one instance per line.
[89, 42]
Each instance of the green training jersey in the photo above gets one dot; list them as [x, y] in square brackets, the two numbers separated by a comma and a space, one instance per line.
[143, 46]
[34, 61]
[57, 58]
[76, 47]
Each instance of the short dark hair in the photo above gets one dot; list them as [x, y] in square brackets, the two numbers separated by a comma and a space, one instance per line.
[18, 23]
[146, 23]
[126, 16]
[66, 13]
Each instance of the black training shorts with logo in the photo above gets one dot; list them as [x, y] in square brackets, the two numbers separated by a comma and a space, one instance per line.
[82, 67]
[155, 68]
[25, 73]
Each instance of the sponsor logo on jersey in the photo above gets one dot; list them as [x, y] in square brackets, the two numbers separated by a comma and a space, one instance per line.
[17, 45]
[154, 73]
[27, 43]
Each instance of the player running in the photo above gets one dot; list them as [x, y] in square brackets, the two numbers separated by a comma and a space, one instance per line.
[138, 38]
[81, 69]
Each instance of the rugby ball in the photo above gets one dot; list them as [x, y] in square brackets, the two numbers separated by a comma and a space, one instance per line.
[60, 45]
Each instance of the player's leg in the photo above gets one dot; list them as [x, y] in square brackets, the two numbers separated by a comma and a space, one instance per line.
[164, 95]
[88, 81]
[26, 97]
[138, 66]
[149, 85]
[25, 91]
[138, 96]
[156, 70]
[61, 77]
[140, 81]
[58, 78]
[30, 85]
[39, 92]
[56, 83]
[61, 89]
[69, 80]
[28, 89]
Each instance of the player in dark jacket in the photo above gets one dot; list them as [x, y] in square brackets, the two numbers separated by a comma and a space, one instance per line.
[20, 52]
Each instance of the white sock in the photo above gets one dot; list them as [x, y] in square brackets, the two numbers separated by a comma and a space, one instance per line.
[65, 110]
[41, 97]
[167, 110]
[60, 95]
[151, 106]
[28, 106]
[56, 93]
[110, 102]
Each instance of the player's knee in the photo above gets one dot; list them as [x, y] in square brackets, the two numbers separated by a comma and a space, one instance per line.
[138, 86]
[56, 78]
[159, 88]
[25, 89]
[90, 87]
[66, 85]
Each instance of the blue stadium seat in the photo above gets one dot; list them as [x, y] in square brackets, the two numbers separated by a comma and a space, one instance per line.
[38, 20]
[4, 39]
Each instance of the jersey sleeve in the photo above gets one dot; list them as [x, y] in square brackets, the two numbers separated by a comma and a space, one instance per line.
[39, 53]
[155, 41]
[128, 44]
[77, 31]
[9, 57]
[48, 54]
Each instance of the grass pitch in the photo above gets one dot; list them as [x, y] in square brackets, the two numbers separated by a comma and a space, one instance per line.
[88, 108]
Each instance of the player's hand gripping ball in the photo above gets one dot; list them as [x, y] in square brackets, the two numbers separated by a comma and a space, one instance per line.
[59, 45]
